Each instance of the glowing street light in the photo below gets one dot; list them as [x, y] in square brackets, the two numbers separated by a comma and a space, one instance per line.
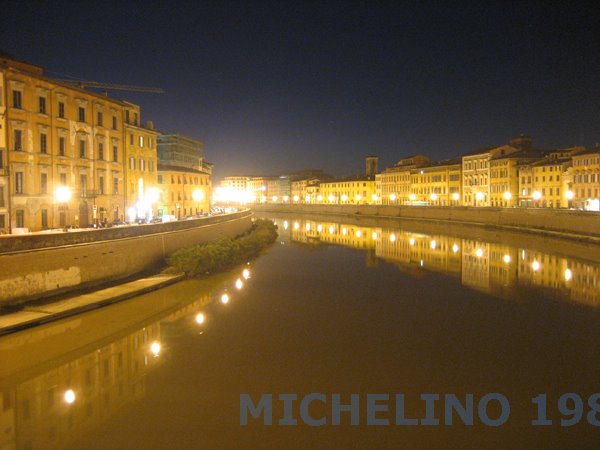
[374, 197]
[568, 274]
[412, 197]
[307, 198]
[358, 197]
[433, 197]
[331, 229]
[225, 299]
[479, 252]
[536, 195]
[199, 318]
[286, 198]
[239, 284]
[69, 396]
[331, 198]
[358, 233]
[433, 244]
[246, 274]
[455, 248]
[569, 195]
[198, 196]
[455, 196]
[155, 348]
[296, 198]
[506, 259]
[392, 237]
[62, 195]
[319, 198]
[535, 265]
[344, 197]
[374, 235]
[507, 196]
[411, 241]
[393, 197]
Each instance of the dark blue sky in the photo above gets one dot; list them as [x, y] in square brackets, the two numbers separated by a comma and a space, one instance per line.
[283, 86]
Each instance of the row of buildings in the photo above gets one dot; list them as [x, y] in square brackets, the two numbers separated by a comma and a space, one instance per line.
[510, 175]
[70, 156]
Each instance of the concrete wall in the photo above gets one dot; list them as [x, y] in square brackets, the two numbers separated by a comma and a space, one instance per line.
[566, 222]
[42, 272]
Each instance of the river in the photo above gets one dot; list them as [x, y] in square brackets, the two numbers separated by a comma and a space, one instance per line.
[337, 306]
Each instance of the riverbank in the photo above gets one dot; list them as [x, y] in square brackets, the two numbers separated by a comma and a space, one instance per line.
[577, 225]
[38, 314]
[93, 258]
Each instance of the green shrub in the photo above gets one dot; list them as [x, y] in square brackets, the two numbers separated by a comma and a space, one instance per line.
[222, 254]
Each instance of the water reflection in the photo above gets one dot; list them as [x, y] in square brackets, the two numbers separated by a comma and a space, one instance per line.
[497, 268]
[51, 401]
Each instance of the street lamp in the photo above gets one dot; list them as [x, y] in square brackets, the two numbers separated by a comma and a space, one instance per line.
[392, 197]
[478, 197]
[569, 196]
[507, 196]
[62, 196]
[536, 197]
[198, 196]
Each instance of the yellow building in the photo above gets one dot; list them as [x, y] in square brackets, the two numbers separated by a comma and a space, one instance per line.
[394, 183]
[57, 136]
[504, 176]
[586, 179]
[183, 191]
[141, 160]
[351, 190]
[184, 178]
[438, 184]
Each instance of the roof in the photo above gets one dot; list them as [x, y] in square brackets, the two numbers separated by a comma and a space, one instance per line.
[530, 153]
[590, 151]
[357, 177]
[551, 162]
[481, 150]
[170, 168]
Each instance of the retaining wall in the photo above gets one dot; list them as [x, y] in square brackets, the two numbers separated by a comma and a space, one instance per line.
[83, 259]
[570, 223]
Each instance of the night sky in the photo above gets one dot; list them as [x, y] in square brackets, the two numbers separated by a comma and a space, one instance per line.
[276, 87]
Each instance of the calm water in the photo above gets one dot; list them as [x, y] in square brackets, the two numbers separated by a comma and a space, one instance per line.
[334, 307]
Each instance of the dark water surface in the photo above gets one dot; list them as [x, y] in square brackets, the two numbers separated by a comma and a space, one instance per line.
[335, 307]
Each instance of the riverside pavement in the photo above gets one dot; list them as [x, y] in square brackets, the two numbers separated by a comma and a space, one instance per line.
[32, 315]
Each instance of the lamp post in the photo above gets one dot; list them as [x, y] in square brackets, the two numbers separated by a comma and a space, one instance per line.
[569, 195]
[62, 195]
[536, 197]
[198, 196]
[178, 211]
[478, 198]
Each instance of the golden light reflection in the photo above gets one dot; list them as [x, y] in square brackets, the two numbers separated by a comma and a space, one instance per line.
[246, 274]
[200, 318]
[69, 396]
[319, 228]
[392, 237]
[285, 224]
[455, 248]
[433, 244]
[358, 233]
[506, 259]
[374, 235]
[307, 226]
[344, 231]
[331, 229]
[568, 275]
[412, 241]
[296, 226]
[225, 299]
[479, 252]
[239, 284]
[535, 265]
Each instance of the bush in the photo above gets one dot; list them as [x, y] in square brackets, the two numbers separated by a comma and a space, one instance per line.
[222, 254]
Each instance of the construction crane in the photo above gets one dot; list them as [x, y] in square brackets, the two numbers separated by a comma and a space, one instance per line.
[113, 87]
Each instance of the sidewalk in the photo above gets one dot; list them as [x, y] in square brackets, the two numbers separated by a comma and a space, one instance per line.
[38, 314]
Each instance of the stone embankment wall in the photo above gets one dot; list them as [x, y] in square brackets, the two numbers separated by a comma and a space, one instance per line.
[569, 223]
[67, 261]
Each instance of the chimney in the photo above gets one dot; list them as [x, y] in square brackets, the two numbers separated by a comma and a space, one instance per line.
[150, 125]
[371, 165]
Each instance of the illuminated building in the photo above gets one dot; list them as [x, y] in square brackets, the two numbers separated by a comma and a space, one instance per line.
[504, 176]
[141, 161]
[437, 184]
[476, 170]
[184, 178]
[57, 135]
[586, 179]
[394, 183]
[352, 190]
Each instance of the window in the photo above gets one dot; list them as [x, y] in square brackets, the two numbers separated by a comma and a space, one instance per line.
[63, 179]
[42, 105]
[115, 185]
[43, 143]
[100, 119]
[2, 221]
[135, 119]
[114, 122]
[61, 146]
[100, 151]
[20, 218]
[141, 141]
[2, 201]
[82, 149]
[132, 163]
[81, 115]
[1, 159]
[44, 183]
[17, 99]
[83, 183]
[151, 166]
[160, 179]
[18, 140]
[127, 116]
[61, 110]
[115, 153]
[131, 139]
[18, 182]
[44, 218]
[101, 185]
[142, 165]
